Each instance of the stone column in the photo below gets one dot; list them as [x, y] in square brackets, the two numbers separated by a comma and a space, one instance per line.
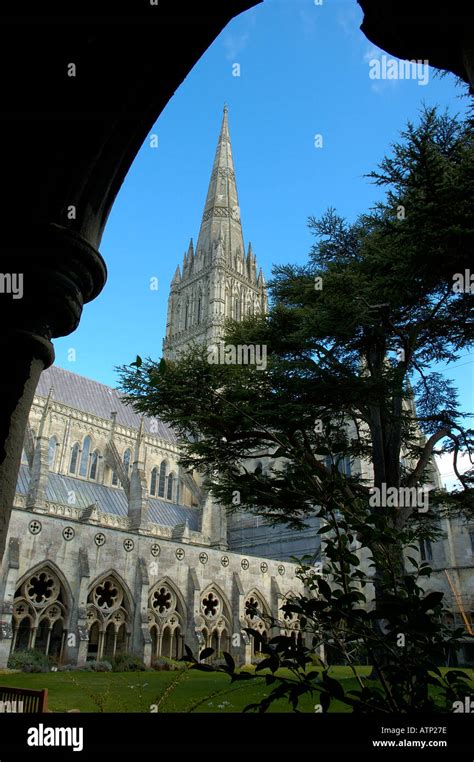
[6, 606]
[54, 271]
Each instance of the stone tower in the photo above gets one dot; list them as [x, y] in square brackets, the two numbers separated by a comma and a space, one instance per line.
[218, 279]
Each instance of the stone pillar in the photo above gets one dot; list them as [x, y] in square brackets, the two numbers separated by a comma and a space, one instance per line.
[194, 619]
[40, 466]
[82, 631]
[213, 522]
[143, 586]
[240, 652]
[6, 605]
[54, 270]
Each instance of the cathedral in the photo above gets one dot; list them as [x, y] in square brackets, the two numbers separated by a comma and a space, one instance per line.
[112, 547]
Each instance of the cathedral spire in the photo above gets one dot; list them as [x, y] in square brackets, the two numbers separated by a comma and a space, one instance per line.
[221, 217]
[218, 279]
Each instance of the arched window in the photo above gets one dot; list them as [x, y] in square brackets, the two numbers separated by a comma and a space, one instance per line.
[74, 458]
[199, 308]
[52, 444]
[114, 479]
[178, 490]
[166, 620]
[108, 619]
[94, 465]
[86, 448]
[127, 457]
[153, 479]
[186, 316]
[40, 614]
[169, 491]
[162, 479]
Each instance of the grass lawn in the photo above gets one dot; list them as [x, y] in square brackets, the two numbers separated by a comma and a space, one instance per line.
[183, 691]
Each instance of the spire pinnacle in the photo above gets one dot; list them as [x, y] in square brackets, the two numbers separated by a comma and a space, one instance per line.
[221, 210]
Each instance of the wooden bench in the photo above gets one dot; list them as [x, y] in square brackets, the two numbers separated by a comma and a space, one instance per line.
[23, 700]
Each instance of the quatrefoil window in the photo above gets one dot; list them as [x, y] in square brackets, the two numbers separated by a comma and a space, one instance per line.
[162, 600]
[210, 605]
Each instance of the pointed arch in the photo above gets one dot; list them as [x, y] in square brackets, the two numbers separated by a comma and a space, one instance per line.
[94, 465]
[74, 458]
[170, 486]
[162, 478]
[127, 460]
[109, 615]
[84, 462]
[199, 306]
[167, 618]
[41, 610]
[52, 450]
[256, 613]
[153, 480]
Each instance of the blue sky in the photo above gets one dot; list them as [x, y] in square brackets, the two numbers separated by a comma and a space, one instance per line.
[304, 70]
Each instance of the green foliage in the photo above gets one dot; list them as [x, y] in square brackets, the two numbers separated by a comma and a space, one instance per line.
[164, 664]
[29, 660]
[127, 662]
[99, 666]
[359, 351]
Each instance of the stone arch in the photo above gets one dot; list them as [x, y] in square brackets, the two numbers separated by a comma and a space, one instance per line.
[162, 477]
[84, 460]
[109, 615]
[255, 603]
[167, 619]
[289, 621]
[41, 610]
[215, 617]
[170, 488]
[74, 458]
[52, 451]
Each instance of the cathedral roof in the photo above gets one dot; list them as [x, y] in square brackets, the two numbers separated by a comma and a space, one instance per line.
[110, 500]
[98, 399]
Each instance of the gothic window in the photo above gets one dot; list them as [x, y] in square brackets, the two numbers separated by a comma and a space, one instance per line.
[153, 481]
[94, 465]
[213, 622]
[199, 308]
[186, 316]
[178, 490]
[343, 464]
[108, 619]
[162, 479]
[169, 493]
[166, 621]
[254, 613]
[426, 550]
[39, 614]
[52, 445]
[83, 466]
[127, 457]
[74, 458]
[114, 479]
[210, 605]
